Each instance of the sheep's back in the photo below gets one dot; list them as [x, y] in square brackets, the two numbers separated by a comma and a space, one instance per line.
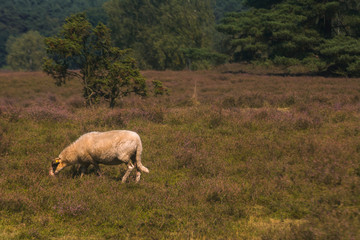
[107, 146]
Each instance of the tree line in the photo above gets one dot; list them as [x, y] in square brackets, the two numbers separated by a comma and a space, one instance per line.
[195, 34]
[320, 34]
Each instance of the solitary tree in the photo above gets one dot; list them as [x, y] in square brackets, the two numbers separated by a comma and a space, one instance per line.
[26, 51]
[106, 72]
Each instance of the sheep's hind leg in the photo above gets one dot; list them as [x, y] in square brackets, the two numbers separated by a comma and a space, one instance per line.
[130, 167]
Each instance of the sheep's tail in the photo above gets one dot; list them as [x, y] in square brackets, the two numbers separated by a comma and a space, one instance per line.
[138, 160]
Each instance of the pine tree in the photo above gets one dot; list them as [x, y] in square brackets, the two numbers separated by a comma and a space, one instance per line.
[106, 72]
[320, 34]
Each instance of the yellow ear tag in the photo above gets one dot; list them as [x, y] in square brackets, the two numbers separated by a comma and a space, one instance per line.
[57, 160]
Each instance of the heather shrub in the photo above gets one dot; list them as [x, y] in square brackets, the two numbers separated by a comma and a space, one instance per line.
[71, 208]
[48, 112]
[215, 120]
[339, 117]
[52, 98]
[5, 140]
[76, 102]
[12, 204]
[321, 99]
[262, 115]
[187, 151]
[115, 119]
[175, 117]
[302, 123]
[152, 113]
[287, 101]
[251, 100]
[9, 111]
[229, 102]
[260, 157]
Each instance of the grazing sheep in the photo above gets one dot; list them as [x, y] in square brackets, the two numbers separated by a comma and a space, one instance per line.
[109, 148]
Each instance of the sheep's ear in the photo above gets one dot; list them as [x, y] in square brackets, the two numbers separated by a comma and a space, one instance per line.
[57, 160]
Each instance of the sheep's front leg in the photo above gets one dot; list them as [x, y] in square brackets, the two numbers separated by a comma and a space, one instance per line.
[83, 169]
[130, 167]
[97, 168]
[138, 174]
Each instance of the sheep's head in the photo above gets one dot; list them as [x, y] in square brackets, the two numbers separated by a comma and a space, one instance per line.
[54, 164]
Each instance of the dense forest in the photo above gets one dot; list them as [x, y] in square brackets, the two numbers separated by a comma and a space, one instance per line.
[44, 16]
[322, 36]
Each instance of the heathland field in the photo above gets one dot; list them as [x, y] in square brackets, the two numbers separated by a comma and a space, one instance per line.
[231, 156]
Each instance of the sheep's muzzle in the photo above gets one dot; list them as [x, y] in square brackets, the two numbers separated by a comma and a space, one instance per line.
[54, 165]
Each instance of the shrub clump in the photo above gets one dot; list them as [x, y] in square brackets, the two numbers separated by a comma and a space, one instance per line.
[48, 112]
[115, 119]
[152, 113]
[255, 100]
[71, 208]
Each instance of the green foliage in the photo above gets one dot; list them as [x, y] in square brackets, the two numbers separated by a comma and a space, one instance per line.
[262, 34]
[284, 61]
[221, 7]
[342, 55]
[159, 30]
[323, 33]
[200, 58]
[26, 51]
[44, 16]
[159, 88]
[105, 71]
